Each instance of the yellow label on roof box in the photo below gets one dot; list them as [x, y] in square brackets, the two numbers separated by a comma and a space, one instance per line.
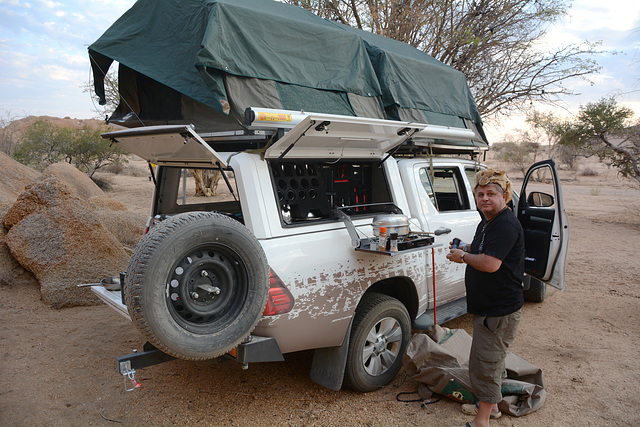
[274, 117]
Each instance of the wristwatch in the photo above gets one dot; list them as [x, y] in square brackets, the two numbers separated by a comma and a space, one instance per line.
[462, 257]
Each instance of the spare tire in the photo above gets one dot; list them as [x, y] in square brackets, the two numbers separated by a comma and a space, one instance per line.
[197, 284]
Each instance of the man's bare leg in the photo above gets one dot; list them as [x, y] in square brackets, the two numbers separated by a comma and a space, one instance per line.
[484, 414]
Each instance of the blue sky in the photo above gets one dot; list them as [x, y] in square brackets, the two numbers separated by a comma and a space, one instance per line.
[44, 62]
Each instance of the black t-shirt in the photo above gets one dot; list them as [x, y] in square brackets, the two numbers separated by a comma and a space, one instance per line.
[498, 293]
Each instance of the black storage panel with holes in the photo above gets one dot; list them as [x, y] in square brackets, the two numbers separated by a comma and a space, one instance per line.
[300, 189]
[309, 191]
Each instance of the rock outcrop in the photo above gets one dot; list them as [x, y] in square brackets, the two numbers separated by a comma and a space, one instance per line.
[11, 272]
[125, 225]
[55, 234]
[77, 182]
[13, 179]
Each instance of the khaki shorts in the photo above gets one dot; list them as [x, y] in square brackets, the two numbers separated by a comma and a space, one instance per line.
[491, 339]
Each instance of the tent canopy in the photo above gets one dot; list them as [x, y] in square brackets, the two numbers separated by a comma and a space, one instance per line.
[205, 61]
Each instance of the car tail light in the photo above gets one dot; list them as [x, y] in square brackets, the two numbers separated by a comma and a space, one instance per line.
[280, 299]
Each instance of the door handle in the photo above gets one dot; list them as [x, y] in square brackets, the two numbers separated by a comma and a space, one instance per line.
[440, 231]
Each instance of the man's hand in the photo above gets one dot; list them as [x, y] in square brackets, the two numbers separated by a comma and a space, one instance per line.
[481, 262]
[456, 255]
[461, 245]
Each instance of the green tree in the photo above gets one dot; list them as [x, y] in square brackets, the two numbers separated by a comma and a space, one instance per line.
[548, 124]
[605, 129]
[7, 132]
[40, 146]
[44, 144]
[521, 149]
[88, 151]
[494, 43]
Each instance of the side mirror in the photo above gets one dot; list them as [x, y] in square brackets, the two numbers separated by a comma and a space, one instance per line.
[541, 200]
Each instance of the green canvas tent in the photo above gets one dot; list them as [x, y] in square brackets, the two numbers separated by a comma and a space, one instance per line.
[205, 61]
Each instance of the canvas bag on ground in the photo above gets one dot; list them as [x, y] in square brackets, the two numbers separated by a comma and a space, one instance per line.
[439, 361]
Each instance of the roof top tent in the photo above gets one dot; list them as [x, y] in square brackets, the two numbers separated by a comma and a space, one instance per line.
[204, 62]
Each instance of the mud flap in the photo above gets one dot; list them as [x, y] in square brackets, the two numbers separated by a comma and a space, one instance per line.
[329, 363]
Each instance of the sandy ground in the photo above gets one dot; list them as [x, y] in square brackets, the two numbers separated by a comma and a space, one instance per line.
[58, 366]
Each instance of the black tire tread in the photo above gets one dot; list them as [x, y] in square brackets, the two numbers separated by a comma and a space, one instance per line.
[137, 267]
[371, 302]
[537, 291]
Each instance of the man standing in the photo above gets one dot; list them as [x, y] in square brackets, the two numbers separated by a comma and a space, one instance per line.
[493, 279]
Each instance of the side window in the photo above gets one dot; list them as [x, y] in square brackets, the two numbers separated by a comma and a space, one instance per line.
[198, 186]
[426, 183]
[471, 176]
[177, 191]
[540, 191]
[448, 189]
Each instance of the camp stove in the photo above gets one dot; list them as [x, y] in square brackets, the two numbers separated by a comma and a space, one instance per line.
[396, 225]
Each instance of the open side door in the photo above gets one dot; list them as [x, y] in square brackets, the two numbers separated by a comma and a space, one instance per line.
[545, 222]
[171, 145]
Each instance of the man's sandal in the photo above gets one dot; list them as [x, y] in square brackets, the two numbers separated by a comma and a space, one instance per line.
[472, 409]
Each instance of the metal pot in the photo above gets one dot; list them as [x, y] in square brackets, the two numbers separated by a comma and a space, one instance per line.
[110, 283]
[395, 223]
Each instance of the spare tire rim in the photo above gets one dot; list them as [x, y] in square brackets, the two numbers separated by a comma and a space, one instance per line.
[205, 287]
[382, 346]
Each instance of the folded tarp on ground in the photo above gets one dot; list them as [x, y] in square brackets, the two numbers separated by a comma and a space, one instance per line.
[439, 361]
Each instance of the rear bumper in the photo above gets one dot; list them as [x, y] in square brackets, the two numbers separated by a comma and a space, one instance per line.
[112, 298]
[253, 349]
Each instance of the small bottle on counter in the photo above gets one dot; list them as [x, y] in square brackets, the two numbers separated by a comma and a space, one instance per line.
[393, 242]
[382, 239]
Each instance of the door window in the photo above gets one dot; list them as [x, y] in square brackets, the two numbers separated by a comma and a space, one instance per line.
[471, 175]
[446, 187]
[540, 190]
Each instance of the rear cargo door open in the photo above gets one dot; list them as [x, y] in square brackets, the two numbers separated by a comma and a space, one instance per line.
[545, 222]
[175, 145]
[325, 136]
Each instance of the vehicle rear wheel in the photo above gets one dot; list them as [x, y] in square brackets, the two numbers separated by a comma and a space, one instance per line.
[537, 291]
[197, 285]
[379, 336]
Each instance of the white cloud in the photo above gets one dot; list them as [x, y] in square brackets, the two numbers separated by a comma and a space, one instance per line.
[590, 15]
[74, 60]
[55, 72]
[15, 3]
[52, 4]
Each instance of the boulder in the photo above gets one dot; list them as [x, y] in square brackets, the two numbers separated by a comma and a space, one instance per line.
[127, 226]
[55, 235]
[11, 272]
[13, 179]
[78, 183]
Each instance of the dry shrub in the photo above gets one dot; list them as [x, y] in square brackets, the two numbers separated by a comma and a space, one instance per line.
[103, 182]
[589, 172]
[124, 169]
[114, 168]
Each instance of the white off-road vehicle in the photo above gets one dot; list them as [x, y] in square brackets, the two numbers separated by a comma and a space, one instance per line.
[330, 243]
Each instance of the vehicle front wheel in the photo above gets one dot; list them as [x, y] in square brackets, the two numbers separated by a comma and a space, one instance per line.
[379, 336]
